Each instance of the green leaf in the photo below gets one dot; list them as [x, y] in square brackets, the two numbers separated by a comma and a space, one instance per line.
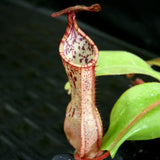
[122, 62]
[155, 62]
[135, 116]
[67, 87]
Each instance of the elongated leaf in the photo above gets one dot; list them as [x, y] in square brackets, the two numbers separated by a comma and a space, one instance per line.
[155, 62]
[122, 62]
[135, 116]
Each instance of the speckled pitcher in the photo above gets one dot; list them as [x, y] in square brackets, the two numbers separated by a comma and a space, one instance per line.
[83, 125]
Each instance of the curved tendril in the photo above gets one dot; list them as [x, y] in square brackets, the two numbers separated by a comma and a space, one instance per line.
[77, 8]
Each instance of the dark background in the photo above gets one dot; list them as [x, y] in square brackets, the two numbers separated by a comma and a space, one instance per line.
[134, 21]
[32, 77]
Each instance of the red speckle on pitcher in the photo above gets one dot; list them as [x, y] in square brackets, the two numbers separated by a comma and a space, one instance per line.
[82, 125]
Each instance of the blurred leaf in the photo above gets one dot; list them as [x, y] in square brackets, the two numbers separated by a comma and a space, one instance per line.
[155, 62]
[122, 62]
[135, 116]
[67, 87]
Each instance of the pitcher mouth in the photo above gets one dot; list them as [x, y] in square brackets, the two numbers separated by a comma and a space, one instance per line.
[76, 48]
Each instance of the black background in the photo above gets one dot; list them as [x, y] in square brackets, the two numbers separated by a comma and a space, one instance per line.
[134, 21]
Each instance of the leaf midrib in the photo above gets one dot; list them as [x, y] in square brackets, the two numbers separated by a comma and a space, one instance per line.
[143, 113]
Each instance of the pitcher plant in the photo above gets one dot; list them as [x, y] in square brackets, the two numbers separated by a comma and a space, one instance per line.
[82, 125]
